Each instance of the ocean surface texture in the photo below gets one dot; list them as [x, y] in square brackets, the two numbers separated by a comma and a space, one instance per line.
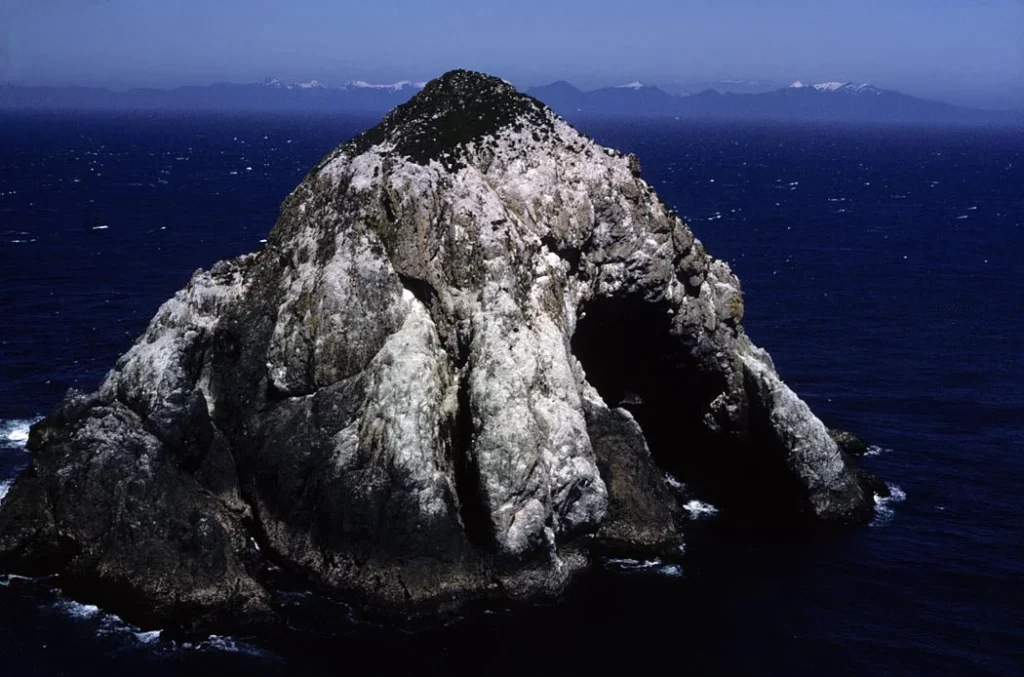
[881, 269]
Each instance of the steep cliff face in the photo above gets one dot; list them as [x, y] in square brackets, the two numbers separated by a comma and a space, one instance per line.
[417, 393]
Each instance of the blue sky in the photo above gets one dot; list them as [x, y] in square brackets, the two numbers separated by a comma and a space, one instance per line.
[968, 51]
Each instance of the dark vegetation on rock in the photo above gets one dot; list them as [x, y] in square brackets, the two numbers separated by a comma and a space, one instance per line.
[473, 347]
[451, 111]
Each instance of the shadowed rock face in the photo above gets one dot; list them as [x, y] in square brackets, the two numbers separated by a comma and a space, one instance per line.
[411, 395]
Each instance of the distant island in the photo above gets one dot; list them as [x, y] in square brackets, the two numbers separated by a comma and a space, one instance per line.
[822, 102]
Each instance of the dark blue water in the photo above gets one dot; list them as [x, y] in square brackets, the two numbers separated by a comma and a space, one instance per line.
[882, 270]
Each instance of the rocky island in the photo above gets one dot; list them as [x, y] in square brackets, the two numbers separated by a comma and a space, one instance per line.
[470, 356]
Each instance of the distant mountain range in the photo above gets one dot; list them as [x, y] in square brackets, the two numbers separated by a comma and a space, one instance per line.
[827, 101]
[270, 95]
[684, 88]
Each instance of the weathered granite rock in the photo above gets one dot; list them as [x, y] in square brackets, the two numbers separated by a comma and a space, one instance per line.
[408, 396]
[848, 443]
[642, 512]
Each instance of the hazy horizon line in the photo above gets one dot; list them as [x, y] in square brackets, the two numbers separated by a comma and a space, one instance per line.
[765, 85]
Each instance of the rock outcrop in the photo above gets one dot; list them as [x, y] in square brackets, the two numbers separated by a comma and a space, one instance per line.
[420, 391]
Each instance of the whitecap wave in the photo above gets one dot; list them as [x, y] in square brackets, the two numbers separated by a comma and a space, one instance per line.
[5, 487]
[14, 432]
[700, 509]
[876, 450]
[883, 505]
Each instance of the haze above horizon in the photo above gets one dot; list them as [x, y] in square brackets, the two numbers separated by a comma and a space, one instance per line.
[969, 52]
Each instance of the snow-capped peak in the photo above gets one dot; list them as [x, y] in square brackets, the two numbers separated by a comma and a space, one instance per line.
[393, 87]
[864, 89]
[829, 86]
[847, 87]
[312, 84]
[632, 85]
[835, 86]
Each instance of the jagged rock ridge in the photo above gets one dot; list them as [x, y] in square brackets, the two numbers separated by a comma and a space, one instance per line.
[411, 395]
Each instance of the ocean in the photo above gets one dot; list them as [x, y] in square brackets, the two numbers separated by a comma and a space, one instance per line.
[882, 268]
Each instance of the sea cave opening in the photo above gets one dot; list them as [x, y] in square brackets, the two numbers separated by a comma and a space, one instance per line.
[631, 356]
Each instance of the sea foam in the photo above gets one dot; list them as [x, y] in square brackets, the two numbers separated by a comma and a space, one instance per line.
[14, 432]
[113, 626]
[647, 566]
[77, 610]
[883, 505]
[700, 509]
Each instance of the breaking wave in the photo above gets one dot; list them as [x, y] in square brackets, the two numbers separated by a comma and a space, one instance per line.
[700, 509]
[649, 566]
[697, 509]
[231, 645]
[113, 627]
[883, 505]
[675, 485]
[78, 610]
[14, 432]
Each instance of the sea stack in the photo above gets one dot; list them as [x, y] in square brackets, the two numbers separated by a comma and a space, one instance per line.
[470, 352]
